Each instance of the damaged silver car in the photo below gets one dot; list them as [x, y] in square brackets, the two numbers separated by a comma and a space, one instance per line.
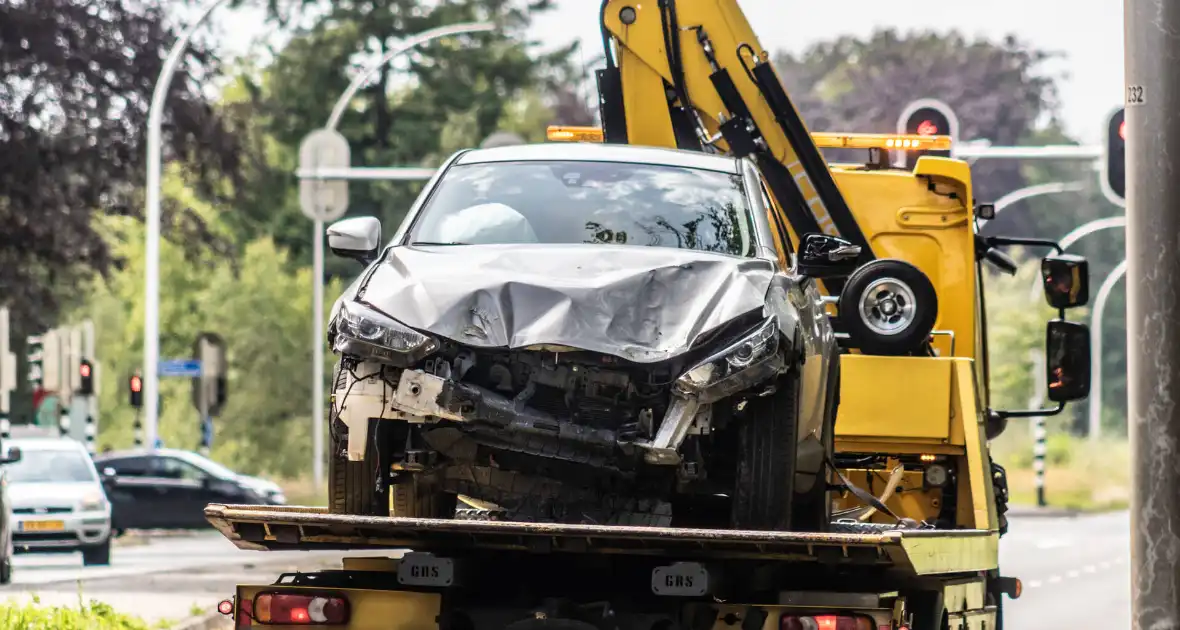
[586, 333]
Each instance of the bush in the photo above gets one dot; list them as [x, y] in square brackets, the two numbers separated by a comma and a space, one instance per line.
[92, 616]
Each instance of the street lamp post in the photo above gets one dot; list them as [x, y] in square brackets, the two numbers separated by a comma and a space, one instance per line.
[1116, 274]
[151, 311]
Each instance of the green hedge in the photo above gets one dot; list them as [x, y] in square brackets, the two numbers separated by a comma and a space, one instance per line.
[91, 616]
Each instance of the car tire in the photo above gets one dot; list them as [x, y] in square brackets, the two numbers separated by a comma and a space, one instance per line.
[901, 288]
[412, 500]
[97, 555]
[352, 486]
[764, 484]
[6, 570]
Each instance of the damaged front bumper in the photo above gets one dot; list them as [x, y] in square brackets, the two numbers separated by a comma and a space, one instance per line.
[422, 397]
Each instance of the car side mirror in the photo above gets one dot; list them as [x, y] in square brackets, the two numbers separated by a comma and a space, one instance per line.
[1067, 353]
[13, 456]
[823, 256]
[1066, 279]
[358, 238]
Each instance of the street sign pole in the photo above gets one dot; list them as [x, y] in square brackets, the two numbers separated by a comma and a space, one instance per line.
[321, 201]
[1152, 98]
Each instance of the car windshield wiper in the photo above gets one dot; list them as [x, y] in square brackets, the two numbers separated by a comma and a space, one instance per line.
[433, 243]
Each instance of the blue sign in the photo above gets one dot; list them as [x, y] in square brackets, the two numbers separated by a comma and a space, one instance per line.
[181, 367]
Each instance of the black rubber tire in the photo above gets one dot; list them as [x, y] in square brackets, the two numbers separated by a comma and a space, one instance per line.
[764, 486]
[6, 570]
[352, 486]
[97, 555]
[410, 500]
[908, 339]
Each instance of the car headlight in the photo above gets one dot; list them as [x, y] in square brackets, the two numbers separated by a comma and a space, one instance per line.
[718, 375]
[93, 502]
[363, 332]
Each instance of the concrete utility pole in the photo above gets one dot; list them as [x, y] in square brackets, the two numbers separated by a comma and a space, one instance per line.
[1152, 97]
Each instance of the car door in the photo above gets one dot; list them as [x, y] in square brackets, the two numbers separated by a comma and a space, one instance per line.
[134, 494]
[185, 494]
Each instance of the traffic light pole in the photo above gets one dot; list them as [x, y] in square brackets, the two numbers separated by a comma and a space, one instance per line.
[1153, 307]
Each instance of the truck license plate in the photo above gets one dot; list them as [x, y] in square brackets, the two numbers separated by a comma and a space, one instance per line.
[42, 526]
[424, 569]
[683, 579]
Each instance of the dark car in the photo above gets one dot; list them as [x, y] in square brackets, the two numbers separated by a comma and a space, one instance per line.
[594, 333]
[169, 488]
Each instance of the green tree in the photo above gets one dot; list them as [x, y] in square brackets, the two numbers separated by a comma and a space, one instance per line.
[256, 302]
[997, 89]
[445, 96]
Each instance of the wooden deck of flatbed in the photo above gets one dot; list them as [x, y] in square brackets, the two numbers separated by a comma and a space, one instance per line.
[922, 552]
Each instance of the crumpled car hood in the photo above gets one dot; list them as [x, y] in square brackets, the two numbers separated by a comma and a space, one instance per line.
[644, 304]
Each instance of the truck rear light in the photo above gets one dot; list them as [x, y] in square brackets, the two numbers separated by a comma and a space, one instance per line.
[310, 609]
[824, 622]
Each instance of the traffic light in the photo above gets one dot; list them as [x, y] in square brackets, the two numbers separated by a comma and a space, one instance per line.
[1115, 179]
[85, 378]
[136, 391]
[927, 117]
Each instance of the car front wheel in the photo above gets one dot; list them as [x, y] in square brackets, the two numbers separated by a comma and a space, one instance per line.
[97, 555]
[765, 477]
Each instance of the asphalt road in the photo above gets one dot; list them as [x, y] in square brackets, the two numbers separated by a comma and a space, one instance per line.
[160, 578]
[1075, 572]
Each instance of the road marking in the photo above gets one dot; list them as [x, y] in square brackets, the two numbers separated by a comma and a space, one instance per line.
[1054, 579]
[1089, 568]
[1104, 565]
[1073, 574]
[1034, 584]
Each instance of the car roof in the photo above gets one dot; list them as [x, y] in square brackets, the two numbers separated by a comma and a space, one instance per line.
[140, 452]
[598, 152]
[45, 444]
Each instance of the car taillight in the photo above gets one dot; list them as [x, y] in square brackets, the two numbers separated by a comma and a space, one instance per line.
[302, 609]
[824, 622]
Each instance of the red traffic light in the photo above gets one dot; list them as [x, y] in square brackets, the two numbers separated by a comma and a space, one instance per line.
[1123, 130]
[927, 128]
[136, 384]
[85, 370]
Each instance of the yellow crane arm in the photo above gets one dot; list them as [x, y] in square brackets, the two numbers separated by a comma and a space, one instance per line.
[691, 74]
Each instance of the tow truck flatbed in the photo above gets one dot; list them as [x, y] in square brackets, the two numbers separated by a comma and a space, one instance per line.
[917, 552]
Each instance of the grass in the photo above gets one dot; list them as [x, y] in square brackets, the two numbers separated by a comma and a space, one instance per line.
[1079, 474]
[89, 616]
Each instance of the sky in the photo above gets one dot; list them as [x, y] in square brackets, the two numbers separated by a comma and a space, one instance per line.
[1088, 32]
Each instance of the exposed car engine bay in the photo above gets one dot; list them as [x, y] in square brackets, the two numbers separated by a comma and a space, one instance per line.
[515, 427]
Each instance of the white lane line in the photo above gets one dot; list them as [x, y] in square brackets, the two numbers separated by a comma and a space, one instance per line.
[1054, 579]
[1104, 565]
[1034, 584]
[1073, 574]
[1089, 568]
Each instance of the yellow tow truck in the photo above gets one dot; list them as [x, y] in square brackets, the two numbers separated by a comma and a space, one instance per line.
[916, 502]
